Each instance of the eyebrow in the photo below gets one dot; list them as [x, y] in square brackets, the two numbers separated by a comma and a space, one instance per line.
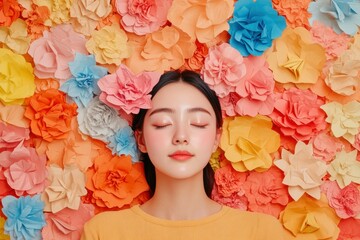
[169, 110]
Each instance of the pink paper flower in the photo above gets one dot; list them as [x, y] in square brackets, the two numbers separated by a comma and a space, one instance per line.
[349, 229]
[24, 170]
[256, 89]
[11, 136]
[326, 146]
[266, 192]
[346, 201]
[228, 104]
[55, 50]
[126, 91]
[223, 69]
[236, 200]
[298, 115]
[142, 17]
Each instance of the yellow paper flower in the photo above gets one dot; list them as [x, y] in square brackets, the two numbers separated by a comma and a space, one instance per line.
[16, 78]
[295, 57]
[3, 236]
[344, 119]
[215, 159]
[59, 10]
[109, 45]
[345, 169]
[15, 37]
[248, 142]
[309, 218]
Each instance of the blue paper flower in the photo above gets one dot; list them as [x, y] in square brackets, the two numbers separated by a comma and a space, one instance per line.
[83, 85]
[340, 15]
[123, 142]
[255, 24]
[25, 217]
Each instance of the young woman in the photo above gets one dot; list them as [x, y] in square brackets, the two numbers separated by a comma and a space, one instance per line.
[177, 137]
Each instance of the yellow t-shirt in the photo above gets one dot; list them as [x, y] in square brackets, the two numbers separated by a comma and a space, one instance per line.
[227, 224]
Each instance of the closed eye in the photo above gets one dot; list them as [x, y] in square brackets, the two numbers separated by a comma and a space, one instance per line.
[199, 125]
[161, 126]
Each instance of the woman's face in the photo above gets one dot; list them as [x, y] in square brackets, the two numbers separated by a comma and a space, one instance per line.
[179, 131]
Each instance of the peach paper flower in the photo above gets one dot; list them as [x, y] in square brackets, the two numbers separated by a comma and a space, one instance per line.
[53, 52]
[35, 17]
[345, 169]
[59, 11]
[201, 19]
[326, 146]
[10, 10]
[349, 229]
[295, 57]
[15, 37]
[142, 17]
[295, 12]
[308, 218]
[125, 91]
[196, 62]
[344, 119]
[303, 172]
[248, 142]
[11, 136]
[223, 69]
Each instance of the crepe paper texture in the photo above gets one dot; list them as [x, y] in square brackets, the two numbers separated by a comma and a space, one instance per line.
[15, 37]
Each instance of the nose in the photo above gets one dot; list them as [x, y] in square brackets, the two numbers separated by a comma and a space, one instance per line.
[180, 136]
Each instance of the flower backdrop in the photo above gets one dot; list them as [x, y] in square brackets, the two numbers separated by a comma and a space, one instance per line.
[72, 73]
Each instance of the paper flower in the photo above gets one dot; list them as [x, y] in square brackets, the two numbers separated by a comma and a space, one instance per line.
[308, 218]
[295, 12]
[3, 236]
[142, 17]
[52, 52]
[126, 91]
[123, 142]
[356, 143]
[63, 225]
[160, 51]
[303, 172]
[345, 169]
[342, 16]
[344, 119]
[325, 146]
[248, 142]
[297, 114]
[201, 19]
[346, 201]
[114, 181]
[109, 45]
[265, 192]
[223, 69]
[82, 86]
[256, 88]
[228, 104]
[254, 25]
[295, 57]
[18, 83]
[35, 17]
[84, 15]
[65, 188]
[15, 37]
[24, 170]
[50, 115]
[99, 120]
[25, 217]
[9, 12]
[349, 229]
[196, 62]
[59, 11]
[11, 136]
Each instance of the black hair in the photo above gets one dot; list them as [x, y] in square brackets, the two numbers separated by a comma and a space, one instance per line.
[194, 79]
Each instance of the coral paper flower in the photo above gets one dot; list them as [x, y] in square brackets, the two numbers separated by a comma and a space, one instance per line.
[349, 229]
[303, 172]
[266, 192]
[248, 142]
[201, 19]
[10, 10]
[126, 91]
[114, 181]
[254, 25]
[342, 16]
[326, 146]
[17, 78]
[345, 169]
[25, 217]
[52, 52]
[123, 142]
[142, 17]
[50, 115]
[295, 12]
[15, 37]
[344, 119]
[65, 188]
[297, 114]
[308, 218]
[82, 86]
[11, 136]
[295, 57]
[223, 69]
[109, 45]
[35, 17]
[196, 62]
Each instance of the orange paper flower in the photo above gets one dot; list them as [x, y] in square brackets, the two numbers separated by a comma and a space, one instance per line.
[35, 17]
[295, 12]
[9, 11]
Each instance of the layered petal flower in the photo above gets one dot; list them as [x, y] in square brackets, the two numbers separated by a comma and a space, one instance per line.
[248, 142]
[295, 12]
[303, 172]
[17, 78]
[35, 17]
[59, 10]
[349, 229]
[201, 19]
[325, 146]
[15, 37]
[196, 62]
[126, 91]
[10, 10]
[123, 142]
[254, 26]
[11, 136]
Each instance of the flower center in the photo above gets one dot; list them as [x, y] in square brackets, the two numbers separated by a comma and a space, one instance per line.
[294, 64]
[115, 178]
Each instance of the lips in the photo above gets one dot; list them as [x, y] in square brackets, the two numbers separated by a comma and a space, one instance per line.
[181, 155]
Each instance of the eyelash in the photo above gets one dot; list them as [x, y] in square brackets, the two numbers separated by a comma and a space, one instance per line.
[195, 125]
